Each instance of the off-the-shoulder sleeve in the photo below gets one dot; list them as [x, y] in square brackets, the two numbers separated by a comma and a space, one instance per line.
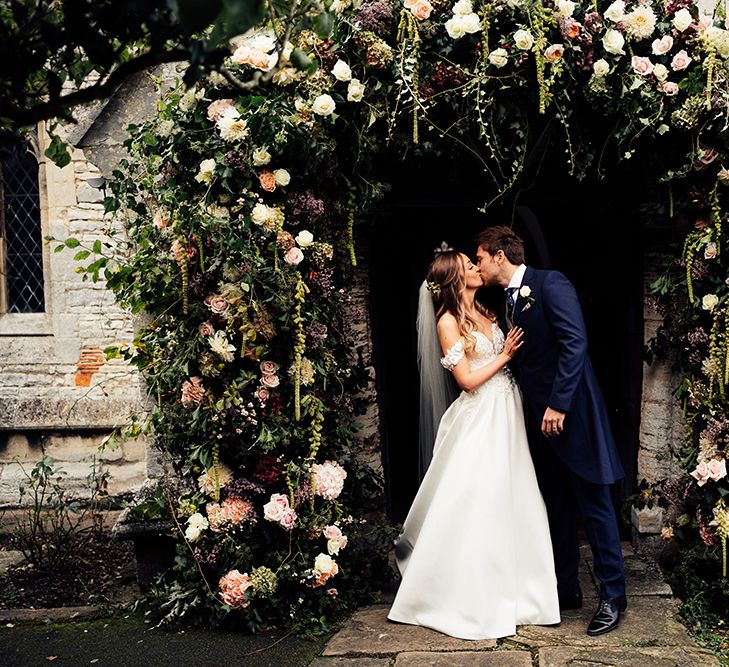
[453, 356]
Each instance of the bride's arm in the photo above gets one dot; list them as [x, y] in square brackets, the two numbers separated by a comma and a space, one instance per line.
[449, 334]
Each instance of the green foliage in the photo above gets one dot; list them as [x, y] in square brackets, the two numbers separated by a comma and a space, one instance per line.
[52, 519]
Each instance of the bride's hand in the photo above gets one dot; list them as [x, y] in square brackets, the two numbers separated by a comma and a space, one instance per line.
[513, 342]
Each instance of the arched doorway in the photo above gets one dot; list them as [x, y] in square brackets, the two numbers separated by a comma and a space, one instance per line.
[585, 233]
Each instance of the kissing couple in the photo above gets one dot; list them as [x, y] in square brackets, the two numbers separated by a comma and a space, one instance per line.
[491, 540]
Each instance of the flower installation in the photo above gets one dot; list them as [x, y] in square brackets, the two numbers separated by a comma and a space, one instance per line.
[237, 215]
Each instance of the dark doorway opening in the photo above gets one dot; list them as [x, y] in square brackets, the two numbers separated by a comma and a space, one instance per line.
[579, 228]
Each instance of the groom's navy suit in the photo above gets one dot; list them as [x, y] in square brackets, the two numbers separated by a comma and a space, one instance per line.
[575, 468]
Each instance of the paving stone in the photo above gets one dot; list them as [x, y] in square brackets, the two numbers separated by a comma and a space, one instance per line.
[465, 659]
[564, 656]
[54, 615]
[9, 558]
[369, 633]
[351, 662]
[648, 620]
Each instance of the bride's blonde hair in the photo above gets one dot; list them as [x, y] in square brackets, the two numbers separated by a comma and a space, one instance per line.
[446, 283]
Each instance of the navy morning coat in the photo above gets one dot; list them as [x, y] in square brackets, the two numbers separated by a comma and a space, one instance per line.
[554, 370]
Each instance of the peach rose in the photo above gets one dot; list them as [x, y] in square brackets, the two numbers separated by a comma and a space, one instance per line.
[242, 55]
[192, 390]
[274, 509]
[554, 52]
[294, 256]
[206, 329]
[269, 367]
[701, 474]
[267, 180]
[262, 394]
[570, 28]
[288, 519]
[270, 381]
[668, 88]
[716, 469]
[216, 303]
[421, 9]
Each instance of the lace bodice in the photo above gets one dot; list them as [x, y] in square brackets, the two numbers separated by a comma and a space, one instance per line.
[484, 352]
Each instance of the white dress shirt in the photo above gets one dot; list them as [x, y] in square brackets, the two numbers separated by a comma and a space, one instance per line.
[516, 280]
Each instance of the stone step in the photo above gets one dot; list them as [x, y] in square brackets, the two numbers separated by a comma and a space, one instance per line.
[657, 656]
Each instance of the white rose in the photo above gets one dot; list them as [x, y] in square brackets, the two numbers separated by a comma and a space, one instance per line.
[206, 172]
[304, 238]
[525, 291]
[682, 19]
[260, 214]
[523, 39]
[324, 564]
[660, 72]
[355, 91]
[261, 156]
[454, 26]
[471, 23]
[565, 8]
[616, 11]
[324, 105]
[499, 57]
[601, 67]
[282, 177]
[613, 42]
[709, 302]
[165, 127]
[341, 71]
[192, 534]
[463, 7]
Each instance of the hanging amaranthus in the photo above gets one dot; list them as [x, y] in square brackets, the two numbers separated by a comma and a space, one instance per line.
[317, 421]
[216, 472]
[300, 344]
[717, 351]
[180, 253]
[537, 20]
[351, 202]
[409, 33]
[710, 64]
[721, 521]
[687, 254]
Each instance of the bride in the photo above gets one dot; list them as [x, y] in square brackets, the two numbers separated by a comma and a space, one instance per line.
[475, 552]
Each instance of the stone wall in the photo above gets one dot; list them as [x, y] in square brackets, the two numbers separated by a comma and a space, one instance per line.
[58, 394]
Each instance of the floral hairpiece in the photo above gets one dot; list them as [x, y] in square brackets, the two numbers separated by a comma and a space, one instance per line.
[433, 288]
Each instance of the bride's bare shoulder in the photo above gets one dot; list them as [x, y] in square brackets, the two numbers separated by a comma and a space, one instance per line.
[447, 323]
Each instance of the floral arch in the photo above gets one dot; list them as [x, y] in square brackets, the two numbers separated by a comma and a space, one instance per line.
[238, 214]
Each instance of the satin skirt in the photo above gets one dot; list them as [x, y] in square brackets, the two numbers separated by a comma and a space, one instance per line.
[475, 552]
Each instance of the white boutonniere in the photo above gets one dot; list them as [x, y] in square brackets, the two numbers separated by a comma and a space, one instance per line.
[525, 293]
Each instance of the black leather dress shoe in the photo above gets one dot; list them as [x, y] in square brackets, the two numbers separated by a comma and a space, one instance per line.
[570, 601]
[607, 616]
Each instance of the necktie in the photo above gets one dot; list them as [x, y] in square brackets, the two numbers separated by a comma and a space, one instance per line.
[510, 292]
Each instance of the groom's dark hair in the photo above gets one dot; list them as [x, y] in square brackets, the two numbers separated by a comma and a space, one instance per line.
[500, 237]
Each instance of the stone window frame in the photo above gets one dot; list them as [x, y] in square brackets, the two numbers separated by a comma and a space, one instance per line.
[32, 324]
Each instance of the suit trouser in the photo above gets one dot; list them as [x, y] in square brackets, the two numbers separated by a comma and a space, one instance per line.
[565, 494]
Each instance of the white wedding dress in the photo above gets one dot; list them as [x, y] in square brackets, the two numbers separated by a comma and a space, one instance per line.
[475, 553]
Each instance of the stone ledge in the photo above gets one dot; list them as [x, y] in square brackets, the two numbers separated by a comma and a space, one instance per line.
[659, 656]
[465, 659]
[52, 615]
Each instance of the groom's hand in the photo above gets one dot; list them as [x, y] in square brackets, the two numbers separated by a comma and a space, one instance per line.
[552, 422]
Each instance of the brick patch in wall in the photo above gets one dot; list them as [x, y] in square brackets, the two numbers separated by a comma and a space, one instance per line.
[90, 361]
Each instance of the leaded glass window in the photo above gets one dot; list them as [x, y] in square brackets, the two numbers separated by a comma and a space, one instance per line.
[20, 233]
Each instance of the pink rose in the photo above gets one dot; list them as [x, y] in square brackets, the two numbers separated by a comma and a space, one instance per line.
[332, 533]
[217, 108]
[668, 88]
[192, 390]
[294, 256]
[262, 394]
[233, 587]
[270, 381]
[269, 367]
[206, 329]
[554, 52]
[275, 508]
[570, 29]
[701, 473]
[216, 303]
[288, 519]
[421, 9]
[716, 469]
[267, 180]
[705, 158]
[641, 65]
[260, 59]
[681, 61]
[663, 45]
[332, 592]
[242, 55]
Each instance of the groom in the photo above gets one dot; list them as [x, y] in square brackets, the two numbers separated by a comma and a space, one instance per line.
[572, 445]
